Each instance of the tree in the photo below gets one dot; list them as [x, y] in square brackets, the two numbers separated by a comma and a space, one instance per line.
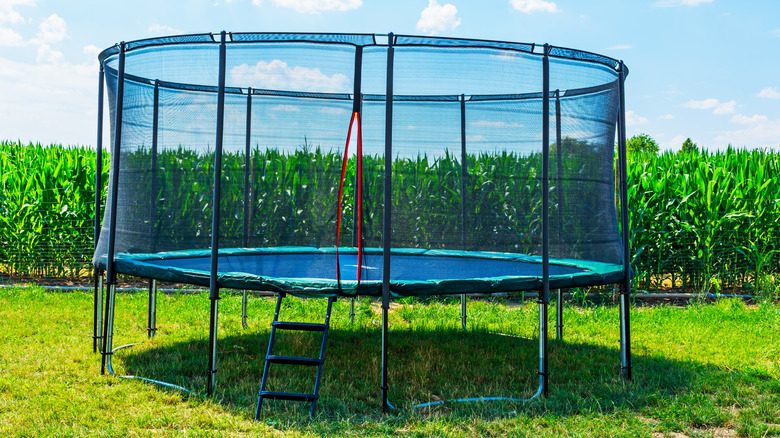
[642, 143]
[689, 146]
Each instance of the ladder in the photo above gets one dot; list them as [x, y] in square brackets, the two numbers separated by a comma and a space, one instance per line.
[292, 360]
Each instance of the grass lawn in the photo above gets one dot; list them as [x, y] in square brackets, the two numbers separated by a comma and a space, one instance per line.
[702, 370]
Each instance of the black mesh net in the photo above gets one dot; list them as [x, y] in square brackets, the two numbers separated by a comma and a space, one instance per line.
[466, 153]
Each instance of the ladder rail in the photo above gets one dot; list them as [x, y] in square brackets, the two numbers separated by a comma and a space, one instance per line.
[322, 356]
[264, 381]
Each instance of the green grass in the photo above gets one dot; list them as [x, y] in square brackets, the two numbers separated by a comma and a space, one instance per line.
[702, 370]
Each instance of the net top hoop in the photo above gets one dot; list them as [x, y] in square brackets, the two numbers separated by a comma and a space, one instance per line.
[366, 40]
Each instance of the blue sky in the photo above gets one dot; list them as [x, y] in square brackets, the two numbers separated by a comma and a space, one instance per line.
[704, 69]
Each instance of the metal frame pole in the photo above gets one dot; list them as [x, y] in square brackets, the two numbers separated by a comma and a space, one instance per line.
[213, 284]
[108, 328]
[151, 328]
[559, 167]
[247, 166]
[97, 316]
[463, 175]
[153, 226]
[386, 233]
[544, 297]
[357, 107]
[625, 321]
[247, 169]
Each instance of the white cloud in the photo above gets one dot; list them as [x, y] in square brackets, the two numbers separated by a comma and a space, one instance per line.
[474, 138]
[57, 98]
[48, 55]
[776, 32]
[7, 12]
[91, 51]
[161, 29]
[9, 38]
[51, 30]
[769, 93]
[745, 120]
[529, 6]
[765, 133]
[673, 144]
[676, 3]
[715, 105]
[666, 117]
[333, 111]
[437, 18]
[702, 104]
[278, 75]
[729, 107]
[286, 108]
[494, 124]
[633, 119]
[315, 6]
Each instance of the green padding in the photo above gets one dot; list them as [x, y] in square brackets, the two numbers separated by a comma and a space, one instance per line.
[595, 273]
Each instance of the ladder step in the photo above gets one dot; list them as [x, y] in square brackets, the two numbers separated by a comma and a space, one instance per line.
[292, 360]
[303, 326]
[288, 396]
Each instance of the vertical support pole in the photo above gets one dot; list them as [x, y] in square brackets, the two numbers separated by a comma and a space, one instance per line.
[357, 107]
[625, 321]
[243, 309]
[97, 318]
[559, 314]
[387, 230]
[247, 167]
[108, 328]
[151, 328]
[213, 284]
[98, 309]
[559, 167]
[463, 176]
[545, 295]
[153, 226]
[247, 188]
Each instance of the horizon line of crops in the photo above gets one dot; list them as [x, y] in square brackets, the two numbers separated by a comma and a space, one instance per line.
[699, 220]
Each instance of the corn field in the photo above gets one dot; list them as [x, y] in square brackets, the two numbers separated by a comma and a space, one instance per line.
[700, 221]
[46, 209]
[705, 221]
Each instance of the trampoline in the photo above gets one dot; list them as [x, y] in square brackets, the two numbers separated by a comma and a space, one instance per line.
[342, 165]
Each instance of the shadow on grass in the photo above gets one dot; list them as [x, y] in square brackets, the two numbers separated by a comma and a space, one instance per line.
[425, 365]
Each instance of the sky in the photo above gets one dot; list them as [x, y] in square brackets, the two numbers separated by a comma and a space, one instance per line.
[708, 70]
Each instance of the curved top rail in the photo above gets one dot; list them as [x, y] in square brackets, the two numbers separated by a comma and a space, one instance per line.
[363, 40]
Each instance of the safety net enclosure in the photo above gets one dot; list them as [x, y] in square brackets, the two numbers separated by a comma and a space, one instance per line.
[447, 155]
[362, 164]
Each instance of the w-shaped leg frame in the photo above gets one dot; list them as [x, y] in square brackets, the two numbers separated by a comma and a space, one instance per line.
[542, 390]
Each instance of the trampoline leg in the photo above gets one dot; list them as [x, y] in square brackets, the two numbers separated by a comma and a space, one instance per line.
[108, 331]
[543, 370]
[352, 310]
[97, 317]
[559, 315]
[212, 371]
[463, 312]
[625, 333]
[384, 387]
[243, 309]
[151, 328]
